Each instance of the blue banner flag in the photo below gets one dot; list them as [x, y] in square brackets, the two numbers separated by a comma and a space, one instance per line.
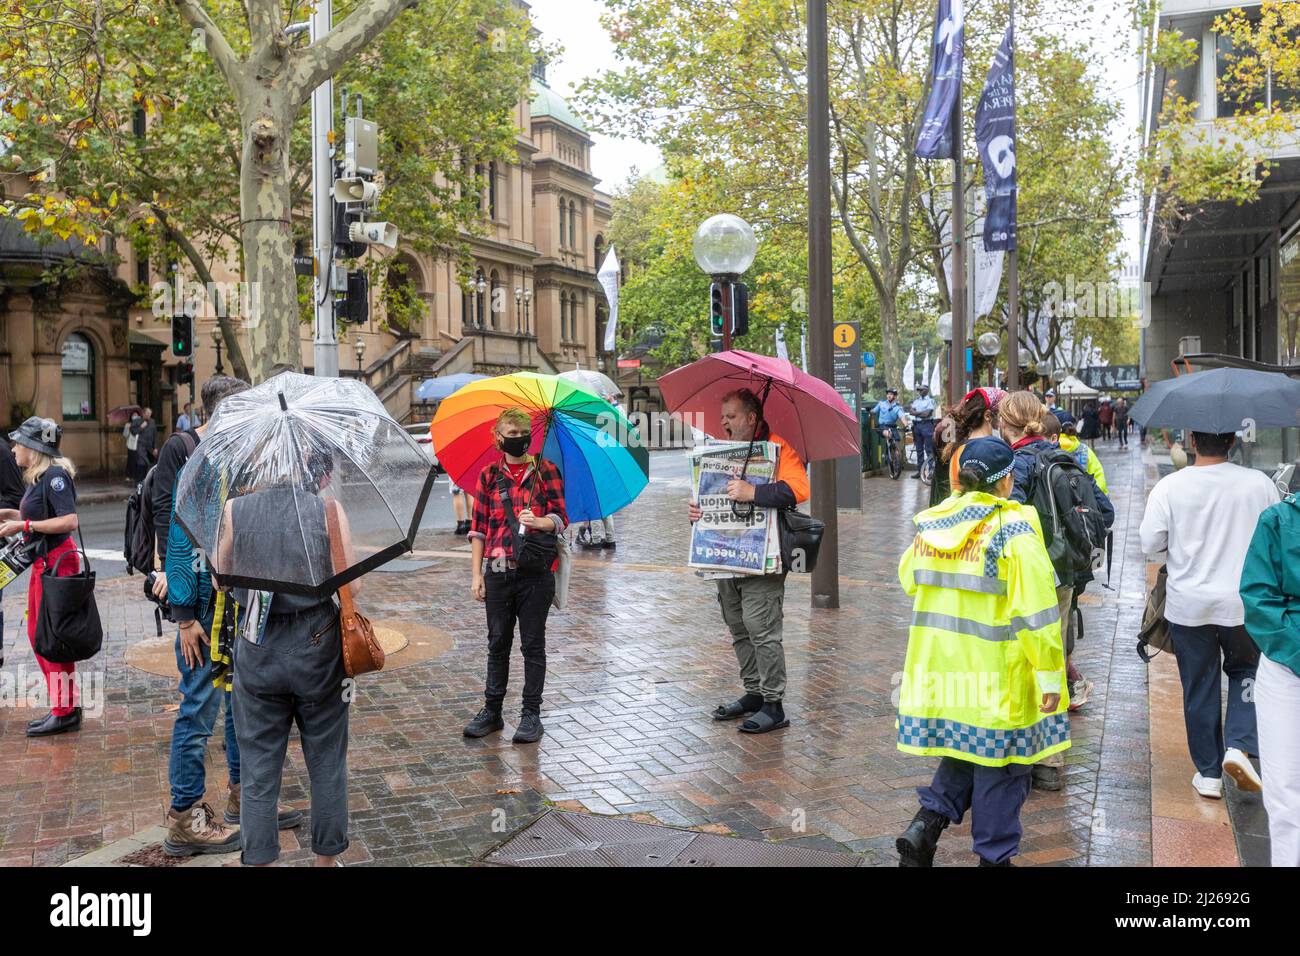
[934, 141]
[995, 137]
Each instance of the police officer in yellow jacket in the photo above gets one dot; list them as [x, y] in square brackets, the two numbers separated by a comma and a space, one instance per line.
[983, 686]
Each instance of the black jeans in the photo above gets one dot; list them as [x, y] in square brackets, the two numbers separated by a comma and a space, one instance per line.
[515, 596]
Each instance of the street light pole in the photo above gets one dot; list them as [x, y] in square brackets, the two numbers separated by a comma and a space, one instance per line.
[322, 196]
[821, 306]
[1013, 263]
[957, 353]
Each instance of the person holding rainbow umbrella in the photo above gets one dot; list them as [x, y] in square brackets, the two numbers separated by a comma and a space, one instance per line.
[539, 452]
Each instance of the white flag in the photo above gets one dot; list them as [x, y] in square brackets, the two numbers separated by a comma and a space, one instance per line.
[936, 381]
[909, 370]
[925, 374]
[988, 265]
[781, 351]
[608, 278]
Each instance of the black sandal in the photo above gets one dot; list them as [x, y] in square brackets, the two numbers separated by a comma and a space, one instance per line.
[763, 722]
[736, 709]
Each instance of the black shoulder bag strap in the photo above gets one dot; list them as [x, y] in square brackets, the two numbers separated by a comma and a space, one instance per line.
[512, 521]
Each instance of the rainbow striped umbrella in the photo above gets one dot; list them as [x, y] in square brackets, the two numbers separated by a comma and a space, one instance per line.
[601, 455]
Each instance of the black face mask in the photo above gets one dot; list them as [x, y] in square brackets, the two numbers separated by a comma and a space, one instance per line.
[516, 447]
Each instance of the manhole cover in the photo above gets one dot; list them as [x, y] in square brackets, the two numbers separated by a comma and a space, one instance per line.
[153, 855]
[564, 838]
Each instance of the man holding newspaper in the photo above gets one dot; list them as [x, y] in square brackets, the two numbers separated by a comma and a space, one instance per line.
[738, 488]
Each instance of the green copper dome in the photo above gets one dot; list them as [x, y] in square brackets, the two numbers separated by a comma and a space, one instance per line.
[546, 102]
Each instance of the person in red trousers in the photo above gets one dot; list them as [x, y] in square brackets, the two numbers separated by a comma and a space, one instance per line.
[47, 515]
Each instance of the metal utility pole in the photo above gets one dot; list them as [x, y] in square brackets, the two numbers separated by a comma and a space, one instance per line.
[322, 196]
[957, 351]
[1013, 266]
[826, 575]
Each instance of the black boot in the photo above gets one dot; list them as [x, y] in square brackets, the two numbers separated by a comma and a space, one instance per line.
[917, 844]
[52, 725]
[485, 722]
[39, 720]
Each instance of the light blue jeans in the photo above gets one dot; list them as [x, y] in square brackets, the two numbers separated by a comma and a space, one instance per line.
[195, 721]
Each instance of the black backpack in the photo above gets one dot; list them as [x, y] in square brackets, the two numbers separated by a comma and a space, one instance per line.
[1073, 527]
[140, 538]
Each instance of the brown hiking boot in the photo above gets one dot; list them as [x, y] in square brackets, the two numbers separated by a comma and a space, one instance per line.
[286, 817]
[194, 831]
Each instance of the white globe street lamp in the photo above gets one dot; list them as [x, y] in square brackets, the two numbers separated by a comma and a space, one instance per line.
[944, 326]
[1026, 358]
[989, 344]
[725, 245]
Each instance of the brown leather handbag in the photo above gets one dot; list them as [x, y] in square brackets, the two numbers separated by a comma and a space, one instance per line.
[361, 651]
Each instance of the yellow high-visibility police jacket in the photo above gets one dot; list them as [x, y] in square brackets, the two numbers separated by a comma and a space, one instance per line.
[1087, 459]
[985, 640]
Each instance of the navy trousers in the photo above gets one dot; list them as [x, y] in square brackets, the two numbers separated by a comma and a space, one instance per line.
[1201, 652]
[994, 795]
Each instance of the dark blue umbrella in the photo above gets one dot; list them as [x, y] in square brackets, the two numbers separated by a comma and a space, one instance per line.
[1221, 400]
[436, 389]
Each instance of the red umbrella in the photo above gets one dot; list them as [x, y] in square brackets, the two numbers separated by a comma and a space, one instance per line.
[122, 414]
[805, 411]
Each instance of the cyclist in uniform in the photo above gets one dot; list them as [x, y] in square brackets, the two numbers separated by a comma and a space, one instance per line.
[888, 412]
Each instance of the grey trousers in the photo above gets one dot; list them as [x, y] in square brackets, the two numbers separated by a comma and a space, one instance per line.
[294, 677]
[754, 611]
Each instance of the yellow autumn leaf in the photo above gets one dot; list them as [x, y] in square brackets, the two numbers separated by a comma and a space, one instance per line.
[19, 110]
[112, 200]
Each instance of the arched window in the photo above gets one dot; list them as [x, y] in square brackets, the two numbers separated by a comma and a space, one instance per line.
[561, 221]
[78, 379]
[573, 216]
[495, 301]
[600, 250]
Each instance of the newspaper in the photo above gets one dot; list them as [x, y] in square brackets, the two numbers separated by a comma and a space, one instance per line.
[723, 543]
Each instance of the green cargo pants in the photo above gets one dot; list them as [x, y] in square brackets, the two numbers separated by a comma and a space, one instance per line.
[753, 608]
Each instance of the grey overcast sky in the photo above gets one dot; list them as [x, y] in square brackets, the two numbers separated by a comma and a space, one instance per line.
[575, 25]
[587, 50]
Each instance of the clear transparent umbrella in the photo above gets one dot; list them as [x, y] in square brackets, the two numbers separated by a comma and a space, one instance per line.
[255, 496]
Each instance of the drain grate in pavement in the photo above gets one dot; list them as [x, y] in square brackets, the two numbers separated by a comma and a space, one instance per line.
[153, 855]
[565, 838]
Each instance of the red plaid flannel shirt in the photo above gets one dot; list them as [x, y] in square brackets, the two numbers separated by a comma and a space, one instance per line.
[541, 489]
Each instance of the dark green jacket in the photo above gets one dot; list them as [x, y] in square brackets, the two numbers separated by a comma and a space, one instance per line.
[1270, 584]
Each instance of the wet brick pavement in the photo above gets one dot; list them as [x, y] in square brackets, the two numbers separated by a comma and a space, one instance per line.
[634, 666]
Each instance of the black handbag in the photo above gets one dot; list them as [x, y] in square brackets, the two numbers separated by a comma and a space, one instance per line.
[536, 552]
[801, 539]
[68, 628]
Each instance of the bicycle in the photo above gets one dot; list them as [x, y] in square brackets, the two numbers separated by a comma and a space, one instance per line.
[892, 454]
[927, 471]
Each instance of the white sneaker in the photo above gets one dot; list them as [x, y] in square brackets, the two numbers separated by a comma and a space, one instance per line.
[1211, 787]
[1238, 766]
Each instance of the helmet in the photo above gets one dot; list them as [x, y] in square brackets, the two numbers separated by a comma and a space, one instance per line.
[39, 434]
[891, 391]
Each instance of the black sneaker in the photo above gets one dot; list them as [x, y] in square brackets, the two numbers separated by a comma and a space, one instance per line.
[609, 546]
[487, 721]
[530, 729]
[917, 844]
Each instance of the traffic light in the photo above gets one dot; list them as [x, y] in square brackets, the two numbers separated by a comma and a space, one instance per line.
[354, 307]
[739, 309]
[184, 373]
[717, 306]
[182, 335]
